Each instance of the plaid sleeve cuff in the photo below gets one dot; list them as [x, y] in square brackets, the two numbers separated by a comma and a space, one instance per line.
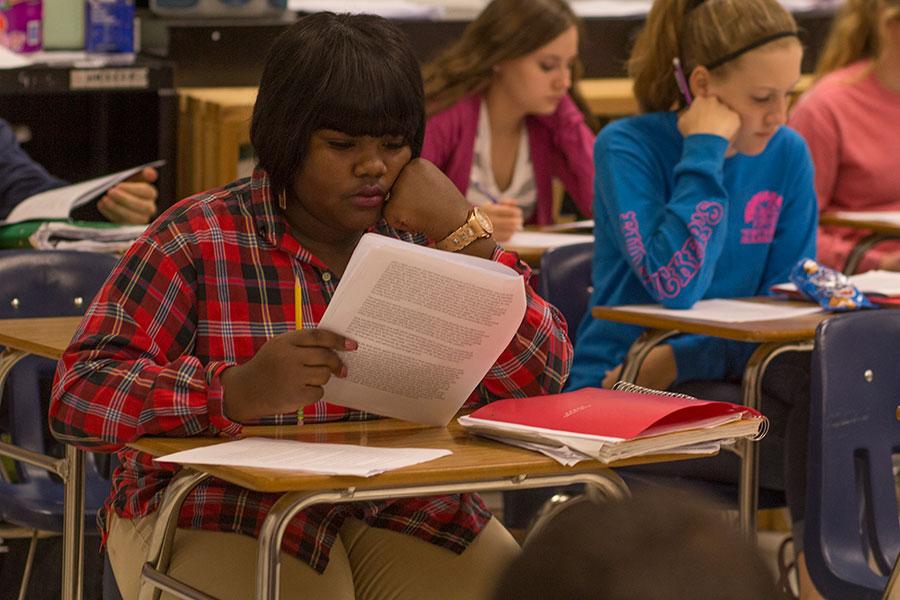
[219, 423]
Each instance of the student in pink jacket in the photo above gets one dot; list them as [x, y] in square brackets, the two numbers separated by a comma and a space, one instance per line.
[850, 121]
[504, 117]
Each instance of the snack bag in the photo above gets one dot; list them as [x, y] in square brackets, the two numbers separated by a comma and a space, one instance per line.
[20, 25]
[829, 288]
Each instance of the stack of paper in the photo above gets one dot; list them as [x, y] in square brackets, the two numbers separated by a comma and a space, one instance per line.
[305, 457]
[611, 425]
[73, 236]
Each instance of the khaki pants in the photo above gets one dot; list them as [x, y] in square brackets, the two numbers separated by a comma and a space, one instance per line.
[365, 562]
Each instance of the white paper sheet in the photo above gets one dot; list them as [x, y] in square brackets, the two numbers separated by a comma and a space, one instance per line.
[430, 324]
[305, 457]
[727, 311]
[12, 60]
[891, 217]
[390, 9]
[540, 239]
[583, 225]
[59, 202]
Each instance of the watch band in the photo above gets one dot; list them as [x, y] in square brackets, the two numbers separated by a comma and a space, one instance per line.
[467, 233]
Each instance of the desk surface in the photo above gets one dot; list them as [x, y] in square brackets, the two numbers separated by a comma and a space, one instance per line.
[47, 337]
[473, 458]
[780, 330]
[860, 222]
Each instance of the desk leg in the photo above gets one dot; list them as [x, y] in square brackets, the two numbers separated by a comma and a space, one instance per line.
[268, 562]
[748, 451]
[160, 553]
[863, 246]
[73, 524]
[639, 351]
[71, 471]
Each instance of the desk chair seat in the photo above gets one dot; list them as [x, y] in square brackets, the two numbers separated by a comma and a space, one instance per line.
[851, 503]
[43, 284]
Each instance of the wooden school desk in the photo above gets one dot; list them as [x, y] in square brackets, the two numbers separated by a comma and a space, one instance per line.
[49, 337]
[881, 230]
[774, 338]
[531, 244]
[476, 464]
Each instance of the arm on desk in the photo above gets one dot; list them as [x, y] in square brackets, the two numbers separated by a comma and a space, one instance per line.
[128, 372]
[663, 238]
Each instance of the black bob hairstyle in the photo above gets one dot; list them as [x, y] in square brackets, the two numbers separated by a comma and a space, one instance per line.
[352, 73]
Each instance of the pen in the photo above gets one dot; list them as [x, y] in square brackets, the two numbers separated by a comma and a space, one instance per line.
[298, 325]
[484, 192]
[681, 81]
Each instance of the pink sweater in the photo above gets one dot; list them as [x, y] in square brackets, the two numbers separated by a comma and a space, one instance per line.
[852, 124]
[561, 146]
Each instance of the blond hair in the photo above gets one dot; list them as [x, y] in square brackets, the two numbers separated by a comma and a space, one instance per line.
[697, 33]
[505, 30]
[854, 33]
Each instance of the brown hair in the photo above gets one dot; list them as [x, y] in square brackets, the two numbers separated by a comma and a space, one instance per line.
[854, 33]
[697, 34]
[505, 29]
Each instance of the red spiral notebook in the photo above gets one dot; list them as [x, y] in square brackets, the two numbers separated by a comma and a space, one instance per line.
[615, 424]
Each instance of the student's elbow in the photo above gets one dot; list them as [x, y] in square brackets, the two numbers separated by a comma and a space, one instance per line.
[680, 302]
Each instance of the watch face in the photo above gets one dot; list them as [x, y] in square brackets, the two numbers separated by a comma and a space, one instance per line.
[484, 221]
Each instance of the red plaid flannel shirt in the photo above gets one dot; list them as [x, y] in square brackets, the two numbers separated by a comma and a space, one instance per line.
[203, 289]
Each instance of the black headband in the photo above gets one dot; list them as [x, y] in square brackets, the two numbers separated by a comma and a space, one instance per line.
[755, 44]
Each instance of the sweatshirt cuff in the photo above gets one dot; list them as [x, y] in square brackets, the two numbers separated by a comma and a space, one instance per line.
[219, 424]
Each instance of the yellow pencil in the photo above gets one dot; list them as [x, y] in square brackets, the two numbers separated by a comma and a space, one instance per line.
[298, 325]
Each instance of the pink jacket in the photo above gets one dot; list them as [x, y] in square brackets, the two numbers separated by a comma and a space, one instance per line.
[561, 146]
[849, 120]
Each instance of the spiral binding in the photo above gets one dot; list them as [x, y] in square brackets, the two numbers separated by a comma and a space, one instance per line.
[624, 386]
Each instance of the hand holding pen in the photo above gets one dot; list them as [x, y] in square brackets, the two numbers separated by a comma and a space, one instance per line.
[504, 213]
[705, 114]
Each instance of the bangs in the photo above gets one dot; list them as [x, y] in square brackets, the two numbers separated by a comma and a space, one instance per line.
[373, 97]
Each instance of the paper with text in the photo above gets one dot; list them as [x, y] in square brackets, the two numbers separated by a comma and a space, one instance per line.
[59, 202]
[727, 311]
[305, 457]
[430, 324]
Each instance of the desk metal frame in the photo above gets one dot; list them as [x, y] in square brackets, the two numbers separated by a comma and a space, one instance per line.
[71, 470]
[603, 483]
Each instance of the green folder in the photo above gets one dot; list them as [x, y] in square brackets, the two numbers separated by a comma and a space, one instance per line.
[15, 235]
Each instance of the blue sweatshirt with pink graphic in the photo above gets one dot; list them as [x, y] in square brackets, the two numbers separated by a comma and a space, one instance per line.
[677, 222]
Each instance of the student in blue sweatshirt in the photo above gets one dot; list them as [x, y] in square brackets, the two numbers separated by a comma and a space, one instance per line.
[714, 199]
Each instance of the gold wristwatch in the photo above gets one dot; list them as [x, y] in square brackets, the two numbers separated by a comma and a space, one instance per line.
[477, 226]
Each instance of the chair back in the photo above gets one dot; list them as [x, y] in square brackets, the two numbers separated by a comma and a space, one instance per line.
[564, 281]
[851, 505]
[43, 283]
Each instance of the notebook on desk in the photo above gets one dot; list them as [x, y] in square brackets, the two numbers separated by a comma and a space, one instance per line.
[610, 425]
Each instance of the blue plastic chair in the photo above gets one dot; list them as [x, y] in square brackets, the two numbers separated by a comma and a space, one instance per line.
[851, 505]
[564, 280]
[42, 284]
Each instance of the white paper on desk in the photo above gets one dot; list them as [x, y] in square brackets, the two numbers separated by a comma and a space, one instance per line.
[722, 310]
[889, 217]
[871, 282]
[389, 9]
[540, 239]
[430, 324]
[305, 457]
[611, 8]
[583, 225]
